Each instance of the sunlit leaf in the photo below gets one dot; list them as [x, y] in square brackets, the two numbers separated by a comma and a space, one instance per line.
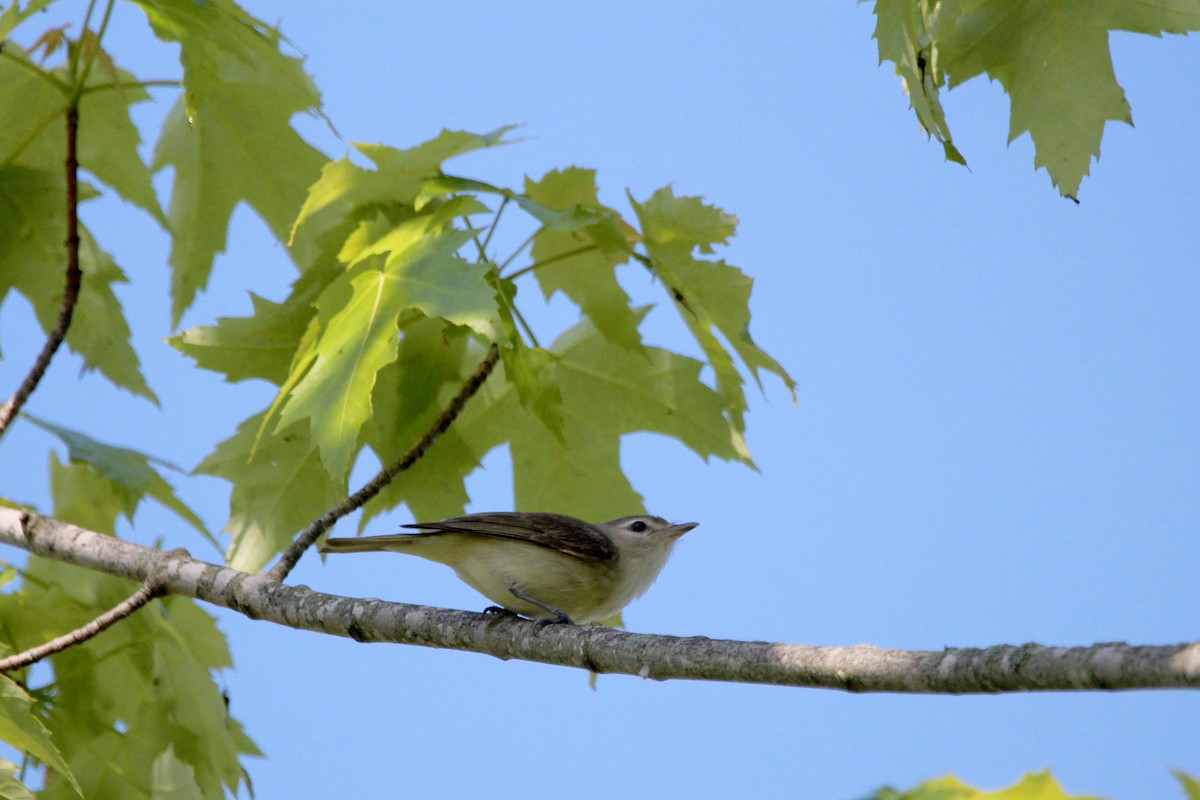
[1035, 786]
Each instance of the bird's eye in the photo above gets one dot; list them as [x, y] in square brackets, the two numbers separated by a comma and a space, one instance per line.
[637, 526]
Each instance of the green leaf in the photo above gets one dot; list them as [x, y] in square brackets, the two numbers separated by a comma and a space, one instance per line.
[713, 297]
[578, 249]
[99, 332]
[11, 787]
[229, 138]
[1034, 786]
[109, 141]
[1191, 786]
[530, 369]
[33, 261]
[264, 344]
[33, 221]
[399, 178]
[14, 15]
[195, 710]
[902, 33]
[278, 489]
[684, 223]
[32, 258]
[122, 697]
[85, 498]
[533, 371]
[607, 391]
[23, 730]
[258, 346]
[173, 779]
[396, 269]
[1051, 56]
[409, 395]
[36, 137]
[129, 475]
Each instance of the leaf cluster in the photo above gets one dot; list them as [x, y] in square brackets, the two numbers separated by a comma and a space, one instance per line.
[401, 287]
[1034, 786]
[1051, 56]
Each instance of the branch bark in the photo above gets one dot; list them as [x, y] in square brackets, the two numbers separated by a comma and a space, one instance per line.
[862, 668]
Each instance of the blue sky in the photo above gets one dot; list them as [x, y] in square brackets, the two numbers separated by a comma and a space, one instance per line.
[995, 441]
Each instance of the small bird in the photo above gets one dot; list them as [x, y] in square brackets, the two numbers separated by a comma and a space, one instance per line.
[548, 567]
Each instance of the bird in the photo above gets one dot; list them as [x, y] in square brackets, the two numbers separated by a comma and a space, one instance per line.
[548, 567]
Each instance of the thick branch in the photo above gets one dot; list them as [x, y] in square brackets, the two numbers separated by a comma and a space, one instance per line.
[862, 668]
[149, 590]
[74, 280]
[309, 535]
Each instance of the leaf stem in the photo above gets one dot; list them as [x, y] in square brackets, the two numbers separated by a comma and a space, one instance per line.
[516, 312]
[105, 87]
[81, 80]
[546, 262]
[73, 58]
[516, 252]
[495, 221]
[519, 317]
[309, 535]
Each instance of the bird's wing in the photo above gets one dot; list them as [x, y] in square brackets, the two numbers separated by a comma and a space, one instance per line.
[555, 531]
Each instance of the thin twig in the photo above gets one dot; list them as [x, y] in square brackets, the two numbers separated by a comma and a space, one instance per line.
[74, 281]
[309, 535]
[150, 589]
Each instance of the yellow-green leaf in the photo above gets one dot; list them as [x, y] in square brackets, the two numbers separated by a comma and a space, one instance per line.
[359, 322]
[1035, 786]
[21, 728]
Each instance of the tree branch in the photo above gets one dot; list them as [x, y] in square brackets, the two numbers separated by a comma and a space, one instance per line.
[356, 501]
[862, 668]
[74, 280]
[149, 590]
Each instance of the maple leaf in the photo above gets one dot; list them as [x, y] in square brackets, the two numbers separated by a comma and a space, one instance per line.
[229, 137]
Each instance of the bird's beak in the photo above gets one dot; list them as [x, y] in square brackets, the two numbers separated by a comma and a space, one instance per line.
[679, 529]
